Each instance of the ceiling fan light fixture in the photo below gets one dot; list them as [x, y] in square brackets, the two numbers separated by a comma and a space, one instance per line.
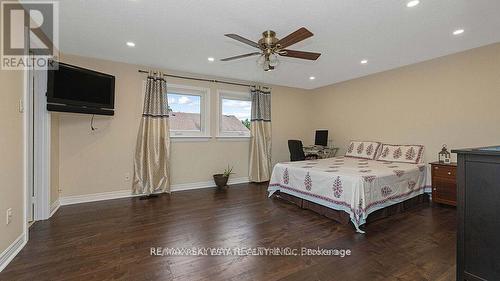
[261, 60]
[273, 60]
[267, 66]
[271, 68]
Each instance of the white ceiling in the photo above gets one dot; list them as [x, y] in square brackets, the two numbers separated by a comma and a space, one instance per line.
[182, 34]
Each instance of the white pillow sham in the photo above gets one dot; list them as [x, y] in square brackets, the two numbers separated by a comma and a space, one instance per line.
[406, 153]
[363, 149]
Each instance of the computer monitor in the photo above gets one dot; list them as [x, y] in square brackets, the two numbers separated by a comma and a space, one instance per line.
[321, 138]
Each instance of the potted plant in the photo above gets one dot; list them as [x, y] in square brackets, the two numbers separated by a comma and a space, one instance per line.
[221, 179]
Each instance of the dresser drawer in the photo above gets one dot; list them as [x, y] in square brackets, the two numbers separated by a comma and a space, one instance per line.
[444, 171]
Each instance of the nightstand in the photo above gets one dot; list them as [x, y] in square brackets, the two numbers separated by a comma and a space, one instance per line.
[444, 183]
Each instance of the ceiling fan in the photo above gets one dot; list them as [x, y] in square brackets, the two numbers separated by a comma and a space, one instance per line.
[272, 47]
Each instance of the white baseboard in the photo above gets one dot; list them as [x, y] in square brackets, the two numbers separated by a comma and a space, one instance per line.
[77, 199]
[205, 184]
[8, 255]
[54, 207]
[70, 200]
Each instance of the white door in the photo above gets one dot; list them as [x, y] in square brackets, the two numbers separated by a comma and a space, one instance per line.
[38, 201]
[41, 147]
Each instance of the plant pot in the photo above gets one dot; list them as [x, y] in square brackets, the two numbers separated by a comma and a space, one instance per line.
[220, 180]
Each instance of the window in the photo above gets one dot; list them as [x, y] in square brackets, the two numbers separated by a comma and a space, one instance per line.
[234, 119]
[188, 110]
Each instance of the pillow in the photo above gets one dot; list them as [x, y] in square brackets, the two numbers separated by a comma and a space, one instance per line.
[363, 149]
[401, 153]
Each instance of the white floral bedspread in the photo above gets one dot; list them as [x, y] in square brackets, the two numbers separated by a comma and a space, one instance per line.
[356, 186]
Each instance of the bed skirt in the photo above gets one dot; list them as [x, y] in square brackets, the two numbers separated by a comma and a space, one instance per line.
[343, 217]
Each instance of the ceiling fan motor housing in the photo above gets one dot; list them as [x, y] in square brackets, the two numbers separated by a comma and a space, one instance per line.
[268, 40]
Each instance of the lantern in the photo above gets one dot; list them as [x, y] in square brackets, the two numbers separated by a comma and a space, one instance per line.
[444, 156]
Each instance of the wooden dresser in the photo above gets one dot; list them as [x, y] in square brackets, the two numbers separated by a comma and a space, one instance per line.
[478, 214]
[444, 183]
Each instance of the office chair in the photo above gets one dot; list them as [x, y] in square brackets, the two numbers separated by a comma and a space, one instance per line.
[297, 151]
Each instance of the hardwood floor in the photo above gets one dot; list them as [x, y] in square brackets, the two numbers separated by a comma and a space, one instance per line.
[111, 240]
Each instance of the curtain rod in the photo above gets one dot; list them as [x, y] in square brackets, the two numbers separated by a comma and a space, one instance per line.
[202, 79]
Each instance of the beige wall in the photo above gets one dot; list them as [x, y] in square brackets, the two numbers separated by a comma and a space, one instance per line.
[290, 120]
[11, 156]
[94, 162]
[453, 100]
[54, 158]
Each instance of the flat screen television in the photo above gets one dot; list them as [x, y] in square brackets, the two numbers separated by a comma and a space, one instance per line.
[74, 89]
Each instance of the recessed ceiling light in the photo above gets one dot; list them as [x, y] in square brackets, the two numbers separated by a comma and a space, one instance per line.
[412, 3]
[364, 61]
[458, 32]
[210, 59]
[312, 78]
[131, 44]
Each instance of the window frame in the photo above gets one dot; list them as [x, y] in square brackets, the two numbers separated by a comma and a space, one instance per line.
[204, 94]
[233, 95]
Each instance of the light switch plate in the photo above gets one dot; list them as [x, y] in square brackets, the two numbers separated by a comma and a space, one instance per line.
[8, 216]
[21, 106]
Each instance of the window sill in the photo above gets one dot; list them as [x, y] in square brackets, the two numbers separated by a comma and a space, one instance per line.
[233, 138]
[189, 138]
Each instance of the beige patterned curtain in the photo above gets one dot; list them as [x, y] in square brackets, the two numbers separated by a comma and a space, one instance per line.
[151, 161]
[260, 127]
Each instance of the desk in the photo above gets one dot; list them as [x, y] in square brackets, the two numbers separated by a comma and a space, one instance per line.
[322, 151]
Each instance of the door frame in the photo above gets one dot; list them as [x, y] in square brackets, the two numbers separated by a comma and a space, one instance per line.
[37, 123]
[29, 149]
[27, 111]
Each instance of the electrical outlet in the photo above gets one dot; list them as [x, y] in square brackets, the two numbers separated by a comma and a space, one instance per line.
[127, 177]
[9, 216]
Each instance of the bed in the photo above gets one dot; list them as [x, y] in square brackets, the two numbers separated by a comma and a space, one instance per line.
[354, 185]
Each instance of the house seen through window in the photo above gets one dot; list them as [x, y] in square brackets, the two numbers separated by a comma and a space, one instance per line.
[235, 117]
[185, 112]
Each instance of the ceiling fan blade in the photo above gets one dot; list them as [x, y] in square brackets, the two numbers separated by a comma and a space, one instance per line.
[301, 55]
[243, 40]
[241, 56]
[295, 37]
